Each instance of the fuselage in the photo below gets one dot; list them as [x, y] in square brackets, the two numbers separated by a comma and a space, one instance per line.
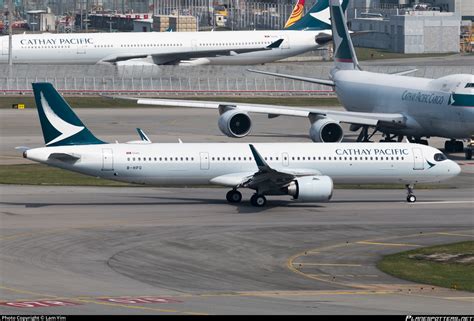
[92, 48]
[433, 107]
[188, 164]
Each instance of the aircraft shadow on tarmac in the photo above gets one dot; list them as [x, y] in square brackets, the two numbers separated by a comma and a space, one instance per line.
[242, 208]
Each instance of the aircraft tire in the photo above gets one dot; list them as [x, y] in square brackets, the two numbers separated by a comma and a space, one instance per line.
[234, 196]
[258, 200]
[411, 198]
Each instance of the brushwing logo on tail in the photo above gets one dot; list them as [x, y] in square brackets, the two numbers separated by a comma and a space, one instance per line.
[67, 130]
[324, 15]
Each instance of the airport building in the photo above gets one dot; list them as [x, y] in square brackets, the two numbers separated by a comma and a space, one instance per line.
[410, 31]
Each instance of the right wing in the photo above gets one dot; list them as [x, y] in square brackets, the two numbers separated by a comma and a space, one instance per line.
[359, 118]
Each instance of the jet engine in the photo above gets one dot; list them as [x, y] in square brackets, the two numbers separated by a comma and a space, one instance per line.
[311, 188]
[235, 123]
[326, 131]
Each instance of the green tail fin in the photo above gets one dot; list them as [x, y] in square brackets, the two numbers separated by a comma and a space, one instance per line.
[59, 123]
[344, 53]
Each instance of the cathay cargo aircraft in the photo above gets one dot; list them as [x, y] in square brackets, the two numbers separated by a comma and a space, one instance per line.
[182, 48]
[305, 171]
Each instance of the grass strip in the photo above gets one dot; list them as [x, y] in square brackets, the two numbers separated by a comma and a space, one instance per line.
[103, 102]
[415, 266]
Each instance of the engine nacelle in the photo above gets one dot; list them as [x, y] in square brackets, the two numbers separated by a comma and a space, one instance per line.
[235, 123]
[311, 189]
[326, 131]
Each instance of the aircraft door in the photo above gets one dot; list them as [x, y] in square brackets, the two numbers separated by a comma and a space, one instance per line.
[286, 42]
[194, 44]
[107, 159]
[204, 161]
[81, 49]
[418, 162]
[4, 46]
[285, 159]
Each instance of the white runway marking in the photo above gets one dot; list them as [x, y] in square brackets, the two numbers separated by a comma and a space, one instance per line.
[444, 202]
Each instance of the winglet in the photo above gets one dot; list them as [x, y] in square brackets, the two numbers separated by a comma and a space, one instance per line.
[275, 44]
[258, 158]
[143, 136]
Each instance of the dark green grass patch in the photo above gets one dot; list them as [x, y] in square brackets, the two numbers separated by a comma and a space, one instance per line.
[449, 266]
[38, 174]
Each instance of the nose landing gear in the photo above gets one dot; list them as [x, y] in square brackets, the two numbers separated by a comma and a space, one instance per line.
[411, 198]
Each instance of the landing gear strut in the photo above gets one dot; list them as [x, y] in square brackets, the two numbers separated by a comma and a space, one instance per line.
[364, 135]
[258, 200]
[411, 198]
[234, 196]
[469, 148]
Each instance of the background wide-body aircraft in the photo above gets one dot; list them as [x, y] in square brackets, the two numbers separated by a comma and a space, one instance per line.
[305, 171]
[183, 48]
[394, 104]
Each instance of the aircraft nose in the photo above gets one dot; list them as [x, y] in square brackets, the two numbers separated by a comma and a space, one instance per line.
[454, 169]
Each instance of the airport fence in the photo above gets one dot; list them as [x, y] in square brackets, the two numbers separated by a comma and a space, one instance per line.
[156, 80]
[207, 86]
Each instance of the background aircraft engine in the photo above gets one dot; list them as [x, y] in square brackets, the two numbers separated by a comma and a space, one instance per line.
[311, 189]
[235, 123]
[326, 131]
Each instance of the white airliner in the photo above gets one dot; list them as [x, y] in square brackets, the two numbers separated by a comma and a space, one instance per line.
[394, 104]
[305, 171]
[183, 48]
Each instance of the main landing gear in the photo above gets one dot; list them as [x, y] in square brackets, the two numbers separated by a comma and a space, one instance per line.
[411, 198]
[456, 146]
[257, 200]
[469, 148]
[453, 146]
[234, 196]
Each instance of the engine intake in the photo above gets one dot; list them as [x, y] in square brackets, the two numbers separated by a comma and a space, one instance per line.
[326, 131]
[235, 123]
[311, 189]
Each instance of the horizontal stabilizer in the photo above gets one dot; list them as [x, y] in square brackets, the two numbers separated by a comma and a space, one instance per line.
[326, 82]
[406, 72]
[64, 157]
[22, 148]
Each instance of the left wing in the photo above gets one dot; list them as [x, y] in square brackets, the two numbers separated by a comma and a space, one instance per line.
[359, 118]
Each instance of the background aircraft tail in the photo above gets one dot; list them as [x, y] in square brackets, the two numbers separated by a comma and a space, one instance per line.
[59, 123]
[317, 18]
[344, 52]
[296, 14]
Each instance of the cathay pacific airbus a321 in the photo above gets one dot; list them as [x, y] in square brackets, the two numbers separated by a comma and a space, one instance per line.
[182, 48]
[305, 171]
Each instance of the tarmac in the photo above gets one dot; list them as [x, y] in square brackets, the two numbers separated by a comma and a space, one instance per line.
[146, 250]
[137, 250]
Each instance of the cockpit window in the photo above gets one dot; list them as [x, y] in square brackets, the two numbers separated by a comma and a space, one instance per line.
[470, 85]
[440, 157]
